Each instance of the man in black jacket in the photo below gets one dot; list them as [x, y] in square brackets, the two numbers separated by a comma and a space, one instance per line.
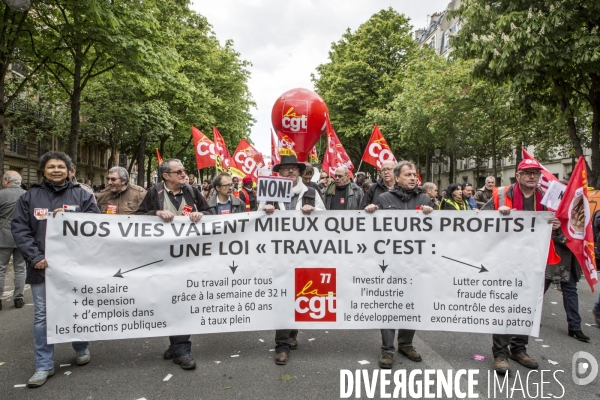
[168, 199]
[406, 195]
[383, 184]
[29, 231]
[225, 202]
[343, 194]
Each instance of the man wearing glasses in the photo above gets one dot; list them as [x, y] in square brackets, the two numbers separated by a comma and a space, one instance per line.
[383, 184]
[307, 200]
[121, 196]
[225, 202]
[343, 194]
[167, 199]
[524, 195]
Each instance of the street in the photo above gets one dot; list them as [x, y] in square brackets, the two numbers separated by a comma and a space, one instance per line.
[240, 365]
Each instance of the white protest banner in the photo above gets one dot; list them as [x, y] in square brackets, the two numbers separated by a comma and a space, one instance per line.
[274, 188]
[117, 276]
[554, 195]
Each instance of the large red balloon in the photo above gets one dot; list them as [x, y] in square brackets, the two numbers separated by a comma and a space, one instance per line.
[301, 114]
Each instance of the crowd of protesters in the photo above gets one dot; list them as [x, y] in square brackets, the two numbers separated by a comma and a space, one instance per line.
[23, 217]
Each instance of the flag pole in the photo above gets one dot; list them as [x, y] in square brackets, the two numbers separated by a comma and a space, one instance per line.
[359, 164]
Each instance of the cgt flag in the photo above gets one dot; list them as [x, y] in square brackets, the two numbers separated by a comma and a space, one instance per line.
[205, 149]
[576, 222]
[158, 157]
[247, 160]
[313, 157]
[335, 156]
[275, 157]
[546, 177]
[221, 151]
[377, 150]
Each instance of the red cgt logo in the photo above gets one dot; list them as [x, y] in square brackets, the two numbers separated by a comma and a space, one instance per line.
[295, 118]
[315, 295]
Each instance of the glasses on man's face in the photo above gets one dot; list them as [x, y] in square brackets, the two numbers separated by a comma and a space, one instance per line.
[386, 170]
[227, 186]
[178, 172]
[288, 169]
[532, 173]
[339, 176]
[112, 179]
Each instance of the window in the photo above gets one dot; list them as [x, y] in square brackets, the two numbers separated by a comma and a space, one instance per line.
[445, 40]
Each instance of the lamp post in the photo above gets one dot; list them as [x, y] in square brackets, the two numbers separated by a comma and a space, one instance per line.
[18, 5]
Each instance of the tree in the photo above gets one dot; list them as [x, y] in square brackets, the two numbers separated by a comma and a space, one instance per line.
[91, 38]
[364, 72]
[549, 51]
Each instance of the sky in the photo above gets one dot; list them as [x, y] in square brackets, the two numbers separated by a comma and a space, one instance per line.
[286, 40]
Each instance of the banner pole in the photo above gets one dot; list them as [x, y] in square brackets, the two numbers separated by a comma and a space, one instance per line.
[359, 164]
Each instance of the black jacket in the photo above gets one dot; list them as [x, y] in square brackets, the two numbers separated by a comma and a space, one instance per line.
[372, 196]
[354, 194]
[237, 205]
[155, 199]
[30, 233]
[400, 199]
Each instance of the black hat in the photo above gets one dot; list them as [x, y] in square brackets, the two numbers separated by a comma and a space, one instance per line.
[289, 160]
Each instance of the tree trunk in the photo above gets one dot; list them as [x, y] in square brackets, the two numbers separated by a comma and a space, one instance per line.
[91, 162]
[131, 164]
[75, 107]
[594, 173]
[141, 154]
[111, 160]
[451, 170]
[518, 155]
[427, 166]
[149, 171]
[565, 105]
[494, 166]
[2, 140]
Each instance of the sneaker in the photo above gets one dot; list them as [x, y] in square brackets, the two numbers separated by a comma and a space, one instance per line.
[410, 352]
[524, 359]
[594, 313]
[185, 360]
[82, 357]
[293, 343]
[39, 378]
[386, 361]
[501, 365]
[19, 302]
[168, 355]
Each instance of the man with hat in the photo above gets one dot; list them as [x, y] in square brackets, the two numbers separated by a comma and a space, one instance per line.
[246, 194]
[307, 200]
[524, 195]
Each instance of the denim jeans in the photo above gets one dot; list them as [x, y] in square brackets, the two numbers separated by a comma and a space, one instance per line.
[405, 338]
[597, 307]
[570, 300]
[180, 345]
[19, 267]
[44, 352]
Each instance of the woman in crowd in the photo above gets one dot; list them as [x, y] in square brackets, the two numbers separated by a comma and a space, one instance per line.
[453, 199]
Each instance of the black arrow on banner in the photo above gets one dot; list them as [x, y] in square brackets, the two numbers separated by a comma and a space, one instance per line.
[120, 274]
[482, 269]
[233, 267]
[383, 266]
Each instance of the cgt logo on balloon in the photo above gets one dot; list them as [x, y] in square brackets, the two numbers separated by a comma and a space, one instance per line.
[295, 118]
[315, 294]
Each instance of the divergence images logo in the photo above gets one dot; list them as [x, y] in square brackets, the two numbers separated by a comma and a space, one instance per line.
[295, 116]
[315, 295]
[584, 372]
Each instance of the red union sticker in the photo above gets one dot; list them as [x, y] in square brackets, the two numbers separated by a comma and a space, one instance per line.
[187, 209]
[111, 209]
[315, 290]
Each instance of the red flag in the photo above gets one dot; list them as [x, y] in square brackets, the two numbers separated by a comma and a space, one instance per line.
[247, 160]
[546, 177]
[221, 151]
[576, 222]
[313, 157]
[205, 149]
[275, 158]
[158, 157]
[336, 155]
[286, 145]
[377, 150]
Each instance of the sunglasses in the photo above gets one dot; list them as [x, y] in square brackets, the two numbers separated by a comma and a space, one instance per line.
[112, 179]
[178, 172]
